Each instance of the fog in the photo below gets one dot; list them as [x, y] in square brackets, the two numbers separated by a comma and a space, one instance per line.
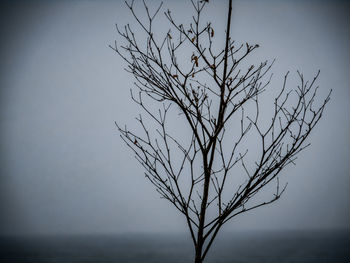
[63, 166]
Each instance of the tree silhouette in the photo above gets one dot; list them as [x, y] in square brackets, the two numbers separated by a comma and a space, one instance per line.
[218, 96]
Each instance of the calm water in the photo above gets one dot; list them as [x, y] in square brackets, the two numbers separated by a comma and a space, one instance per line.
[270, 247]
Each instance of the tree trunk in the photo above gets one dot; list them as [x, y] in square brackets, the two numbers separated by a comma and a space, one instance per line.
[198, 257]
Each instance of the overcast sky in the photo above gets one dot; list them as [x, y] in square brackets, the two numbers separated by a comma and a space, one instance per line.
[63, 167]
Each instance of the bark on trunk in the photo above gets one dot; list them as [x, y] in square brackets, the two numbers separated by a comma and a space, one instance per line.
[198, 257]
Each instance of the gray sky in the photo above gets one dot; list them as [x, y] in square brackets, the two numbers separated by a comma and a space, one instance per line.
[63, 166]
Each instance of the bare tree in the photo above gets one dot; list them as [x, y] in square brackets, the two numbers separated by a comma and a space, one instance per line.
[215, 91]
